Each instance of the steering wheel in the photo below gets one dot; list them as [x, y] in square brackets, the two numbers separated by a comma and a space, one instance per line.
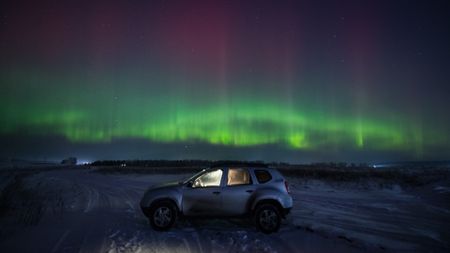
[198, 183]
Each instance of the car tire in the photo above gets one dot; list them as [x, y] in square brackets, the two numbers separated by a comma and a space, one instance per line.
[162, 215]
[267, 218]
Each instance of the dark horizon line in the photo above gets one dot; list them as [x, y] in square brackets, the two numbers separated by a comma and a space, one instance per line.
[383, 163]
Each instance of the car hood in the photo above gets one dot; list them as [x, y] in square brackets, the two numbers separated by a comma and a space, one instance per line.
[174, 184]
[165, 190]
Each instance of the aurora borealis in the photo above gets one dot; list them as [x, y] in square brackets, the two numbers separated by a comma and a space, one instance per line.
[268, 80]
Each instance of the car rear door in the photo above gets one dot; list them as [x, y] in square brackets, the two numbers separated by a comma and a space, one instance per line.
[238, 192]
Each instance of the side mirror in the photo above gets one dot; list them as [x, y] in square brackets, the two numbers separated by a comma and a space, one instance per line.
[190, 184]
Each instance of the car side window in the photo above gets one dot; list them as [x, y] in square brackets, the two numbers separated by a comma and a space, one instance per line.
[211, 178]
[263, 176]
[238, 176]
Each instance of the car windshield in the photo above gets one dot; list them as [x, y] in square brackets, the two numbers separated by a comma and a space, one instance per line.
[184, 181]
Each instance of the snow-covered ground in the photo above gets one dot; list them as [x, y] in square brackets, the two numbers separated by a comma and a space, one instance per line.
[77, 210]
[388, 217]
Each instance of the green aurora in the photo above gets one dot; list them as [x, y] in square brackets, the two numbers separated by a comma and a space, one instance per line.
[100, 115]
[271, 80]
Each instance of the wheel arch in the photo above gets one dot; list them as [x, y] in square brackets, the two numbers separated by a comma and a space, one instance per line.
[269, 201]
[154, 203]
[164, 199]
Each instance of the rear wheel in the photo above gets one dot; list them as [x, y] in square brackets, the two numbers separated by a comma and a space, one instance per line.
[162, 215]
[267, 218]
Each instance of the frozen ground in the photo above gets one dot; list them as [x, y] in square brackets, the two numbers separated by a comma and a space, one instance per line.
[387, 217]
[76, 210]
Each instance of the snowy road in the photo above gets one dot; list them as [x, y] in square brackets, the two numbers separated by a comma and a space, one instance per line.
[92, 212]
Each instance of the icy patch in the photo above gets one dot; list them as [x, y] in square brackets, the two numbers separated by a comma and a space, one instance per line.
[442, 189]
[121, 242]
[239, 241]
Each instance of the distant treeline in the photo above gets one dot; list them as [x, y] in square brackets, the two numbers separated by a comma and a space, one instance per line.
[209, 163]
[174, 163]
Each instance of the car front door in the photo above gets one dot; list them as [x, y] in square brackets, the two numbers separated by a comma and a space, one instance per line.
[203, 196]
[237, 193]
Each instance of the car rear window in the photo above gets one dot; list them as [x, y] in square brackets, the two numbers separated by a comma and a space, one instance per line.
[238, 176]
[263, 176]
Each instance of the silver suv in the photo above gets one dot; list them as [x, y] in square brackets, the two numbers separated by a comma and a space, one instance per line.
[226, 191]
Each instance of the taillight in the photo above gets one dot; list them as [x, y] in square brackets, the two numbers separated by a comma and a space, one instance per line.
[287, 186]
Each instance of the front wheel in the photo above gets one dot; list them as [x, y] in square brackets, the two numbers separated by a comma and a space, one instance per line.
[162, 215]
[267, 218]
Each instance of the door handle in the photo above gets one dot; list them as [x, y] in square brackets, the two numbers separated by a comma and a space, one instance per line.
[216, 193]
[249, 191]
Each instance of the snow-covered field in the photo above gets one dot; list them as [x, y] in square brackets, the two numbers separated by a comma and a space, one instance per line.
[78, 210]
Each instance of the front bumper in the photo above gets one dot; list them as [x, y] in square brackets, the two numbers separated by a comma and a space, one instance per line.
[145, 211]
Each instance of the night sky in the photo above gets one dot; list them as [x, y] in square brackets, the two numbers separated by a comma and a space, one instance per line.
[295, 81]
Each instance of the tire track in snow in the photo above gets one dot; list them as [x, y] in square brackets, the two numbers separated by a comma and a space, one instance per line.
[58, 244]
[93, 197]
